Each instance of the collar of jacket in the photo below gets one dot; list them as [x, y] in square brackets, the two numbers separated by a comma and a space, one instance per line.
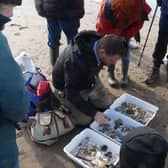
[3, 20]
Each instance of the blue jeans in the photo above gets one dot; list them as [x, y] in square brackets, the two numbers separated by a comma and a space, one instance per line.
[127, 57]
[9, 163]
[69, 27]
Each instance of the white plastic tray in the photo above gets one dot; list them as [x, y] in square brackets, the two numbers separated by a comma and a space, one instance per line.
[113, 117]
[139, 102]
[97, 139]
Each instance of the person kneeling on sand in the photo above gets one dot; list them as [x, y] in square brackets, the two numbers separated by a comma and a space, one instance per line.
[75, 74]
[143, 147]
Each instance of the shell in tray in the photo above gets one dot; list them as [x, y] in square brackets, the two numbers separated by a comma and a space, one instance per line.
[135, 108]
[93, 150]
[117, 127]
[135, 112]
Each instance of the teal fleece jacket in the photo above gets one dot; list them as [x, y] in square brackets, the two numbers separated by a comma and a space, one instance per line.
[13, 100]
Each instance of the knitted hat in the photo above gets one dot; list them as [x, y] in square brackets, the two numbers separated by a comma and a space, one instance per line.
[143, 147]
[13, 2]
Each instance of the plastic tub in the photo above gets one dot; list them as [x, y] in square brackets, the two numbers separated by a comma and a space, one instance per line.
[127, 122]
[97, 139]
[140, 103]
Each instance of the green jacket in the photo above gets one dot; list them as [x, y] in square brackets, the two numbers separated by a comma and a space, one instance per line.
[13, 100]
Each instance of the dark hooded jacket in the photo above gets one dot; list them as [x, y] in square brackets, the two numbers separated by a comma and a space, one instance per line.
[60, 9]
[143, 147]
[76, 69]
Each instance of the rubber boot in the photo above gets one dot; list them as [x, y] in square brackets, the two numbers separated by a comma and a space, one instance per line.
[167, 73]
[111, 77]
[54, 53]
[154, 77]
[125, 80]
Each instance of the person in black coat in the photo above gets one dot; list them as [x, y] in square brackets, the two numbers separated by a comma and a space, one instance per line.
[63, 16]
[161, 45]
[76, 71]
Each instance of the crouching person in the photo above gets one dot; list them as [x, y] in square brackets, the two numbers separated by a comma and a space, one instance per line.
[143, 148]
[13, 101]
[76, 72]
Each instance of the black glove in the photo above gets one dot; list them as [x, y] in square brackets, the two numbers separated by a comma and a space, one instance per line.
[159, 2]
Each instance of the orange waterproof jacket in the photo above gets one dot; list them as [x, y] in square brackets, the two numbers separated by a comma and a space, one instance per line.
[121, 17]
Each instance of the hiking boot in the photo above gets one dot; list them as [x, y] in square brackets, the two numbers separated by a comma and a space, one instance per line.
[111, 77]
[125, 80]
[154, 77]
[54, 53]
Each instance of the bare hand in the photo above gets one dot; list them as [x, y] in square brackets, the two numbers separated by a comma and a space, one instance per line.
[101, 118]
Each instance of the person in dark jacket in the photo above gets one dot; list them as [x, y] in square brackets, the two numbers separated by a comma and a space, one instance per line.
[13, 100]
[76, 74]
[143, 147]
[161, 45]
[63, 16]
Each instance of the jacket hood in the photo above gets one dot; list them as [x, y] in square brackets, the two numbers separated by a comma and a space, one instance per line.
[3, 20]
[85, 41]
[14, 2]
[146, 140]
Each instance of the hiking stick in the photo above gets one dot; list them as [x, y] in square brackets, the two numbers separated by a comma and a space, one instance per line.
[139, 63]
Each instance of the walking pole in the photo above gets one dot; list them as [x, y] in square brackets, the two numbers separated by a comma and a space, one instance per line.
[139, 63]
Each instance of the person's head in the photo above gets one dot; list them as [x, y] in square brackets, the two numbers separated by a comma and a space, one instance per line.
[143, 148]
[6, 11]
[7, 6]
[111, 48]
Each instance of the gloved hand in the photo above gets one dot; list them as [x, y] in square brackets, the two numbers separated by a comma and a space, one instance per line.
[159, 2]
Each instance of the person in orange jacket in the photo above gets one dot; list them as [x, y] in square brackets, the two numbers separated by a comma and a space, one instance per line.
[123, 18]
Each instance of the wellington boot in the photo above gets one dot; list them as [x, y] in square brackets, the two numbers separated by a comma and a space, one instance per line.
[54, 53]
[111, 77]
[125, 80]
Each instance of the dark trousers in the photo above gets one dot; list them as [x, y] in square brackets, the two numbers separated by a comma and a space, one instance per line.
[160, 48]
[55, 27]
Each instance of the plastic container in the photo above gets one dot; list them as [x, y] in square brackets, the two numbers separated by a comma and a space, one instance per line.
[139, 102]
[25, 63]
[97, 139]
[128, 122]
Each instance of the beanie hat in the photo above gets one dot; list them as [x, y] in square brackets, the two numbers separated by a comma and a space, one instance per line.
[140, 142]
[13, 2]
[146, 140]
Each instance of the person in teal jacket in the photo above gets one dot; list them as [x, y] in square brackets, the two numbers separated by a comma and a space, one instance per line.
[13, 96]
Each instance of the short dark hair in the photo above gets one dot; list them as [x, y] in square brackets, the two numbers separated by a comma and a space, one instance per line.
[113, 44]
